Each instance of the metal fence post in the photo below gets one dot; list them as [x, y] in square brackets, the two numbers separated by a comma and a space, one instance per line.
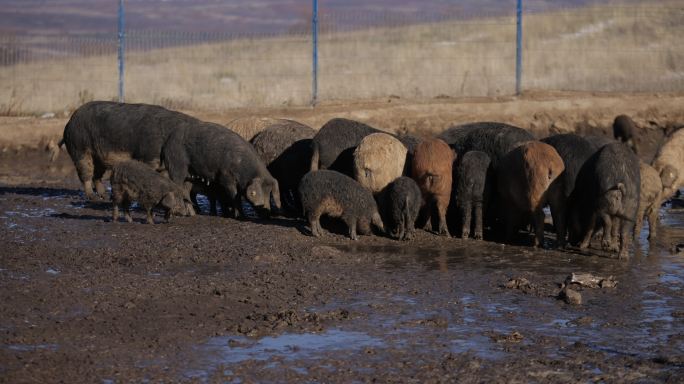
[314, 32]
[518, 47]
[122, 48]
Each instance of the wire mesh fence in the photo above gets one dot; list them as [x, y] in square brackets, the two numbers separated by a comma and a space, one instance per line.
[362, 55]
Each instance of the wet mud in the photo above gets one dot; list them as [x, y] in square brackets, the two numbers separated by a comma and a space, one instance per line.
[208, 299]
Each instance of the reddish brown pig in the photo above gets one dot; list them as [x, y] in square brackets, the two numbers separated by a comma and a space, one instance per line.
[523, 178]
[431, 169]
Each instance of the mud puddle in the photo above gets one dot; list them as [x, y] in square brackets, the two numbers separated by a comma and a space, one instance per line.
[455, 301]
[283, 350]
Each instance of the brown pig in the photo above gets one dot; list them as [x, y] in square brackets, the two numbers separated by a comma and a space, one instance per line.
[431, 169]
[523, 179]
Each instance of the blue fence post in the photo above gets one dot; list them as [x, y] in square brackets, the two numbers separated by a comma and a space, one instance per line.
[518, 48]
[314, 33]
[122, 48]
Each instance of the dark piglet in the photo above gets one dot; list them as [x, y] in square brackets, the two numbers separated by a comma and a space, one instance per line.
[101, 133]
[607, 188]
[333, 194]
[471, 175]
[624, 129]
[399, 205]
[575, 151]
[285, 147]
[221, 157]
[334, 144]
[135, 181]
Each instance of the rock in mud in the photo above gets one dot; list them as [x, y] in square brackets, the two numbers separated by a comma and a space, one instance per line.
[521, 284]
[591, 281]
[514, 337]
[570, 296]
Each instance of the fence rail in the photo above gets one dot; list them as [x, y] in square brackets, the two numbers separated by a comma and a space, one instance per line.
[597, 48]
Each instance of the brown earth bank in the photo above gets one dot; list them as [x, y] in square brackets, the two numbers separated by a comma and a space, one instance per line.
[209, 299]
[540, 112]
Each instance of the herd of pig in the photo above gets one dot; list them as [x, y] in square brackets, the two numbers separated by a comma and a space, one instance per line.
[466, 179]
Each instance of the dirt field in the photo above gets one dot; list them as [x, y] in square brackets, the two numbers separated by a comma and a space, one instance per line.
[209, 299]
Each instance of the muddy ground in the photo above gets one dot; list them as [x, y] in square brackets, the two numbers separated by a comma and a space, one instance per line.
[209, 299]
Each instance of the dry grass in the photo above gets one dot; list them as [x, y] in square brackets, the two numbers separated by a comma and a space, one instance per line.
[601, 48]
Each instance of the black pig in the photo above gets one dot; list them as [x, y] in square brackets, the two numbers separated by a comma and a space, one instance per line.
[221, 157]
[331, 193]
[286, 149]
[624, 129]
[399, 204]
[575, 151]
[607, 187]
[101, 133]
[334, 144]
[471, 174]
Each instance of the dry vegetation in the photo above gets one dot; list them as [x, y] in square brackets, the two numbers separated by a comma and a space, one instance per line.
[602, 48]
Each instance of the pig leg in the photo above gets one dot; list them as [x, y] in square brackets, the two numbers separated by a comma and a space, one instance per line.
[590, 232]
[442, 205]
[115, 212]
[351, 223]
[98, 174]
[466, 210]
[614, 238]
[150, 215]
[314, 223]
[638, 225]
[607, 232]
[538, 217]
[116, 201]
[652, 222]
[559, 218]
[85, 170]
[401, 228]
[624, 240]
[424, 220]
[126, 205]
[212, 203]
[408, 225]
[478, 221]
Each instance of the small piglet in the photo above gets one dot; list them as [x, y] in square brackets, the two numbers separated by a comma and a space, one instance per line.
[400, 204]
[134, 180]
[471, 176]
[336, 195]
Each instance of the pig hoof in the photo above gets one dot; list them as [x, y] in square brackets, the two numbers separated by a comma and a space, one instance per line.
[605, 245]
[465, 235]
[478, 236]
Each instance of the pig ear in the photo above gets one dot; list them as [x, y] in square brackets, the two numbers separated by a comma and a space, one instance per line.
[256, 182]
